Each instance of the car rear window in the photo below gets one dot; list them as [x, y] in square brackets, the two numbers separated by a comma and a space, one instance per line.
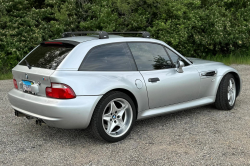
[48, 56]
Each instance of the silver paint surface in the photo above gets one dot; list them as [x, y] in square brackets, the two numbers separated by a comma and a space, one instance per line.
[175, 91]
[173, 87]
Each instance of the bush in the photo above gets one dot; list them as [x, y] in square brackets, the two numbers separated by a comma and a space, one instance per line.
[26, 23]
[195, 28]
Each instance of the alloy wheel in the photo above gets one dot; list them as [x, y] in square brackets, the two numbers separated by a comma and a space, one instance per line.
[117, 117]
[231, 94]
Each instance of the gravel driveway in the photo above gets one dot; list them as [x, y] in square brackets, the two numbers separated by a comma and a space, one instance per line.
[200, 136]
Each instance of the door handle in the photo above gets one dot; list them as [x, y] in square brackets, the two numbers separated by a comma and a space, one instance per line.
[153, 79]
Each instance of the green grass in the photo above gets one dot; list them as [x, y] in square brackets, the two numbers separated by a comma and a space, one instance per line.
[6, 76]
[238, 57]
[232, 59]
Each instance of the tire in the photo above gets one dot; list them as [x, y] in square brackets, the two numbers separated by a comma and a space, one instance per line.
[113, 117]
[226, 93]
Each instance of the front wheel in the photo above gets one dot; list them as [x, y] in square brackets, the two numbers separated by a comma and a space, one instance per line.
[226, 94]
[113, 117]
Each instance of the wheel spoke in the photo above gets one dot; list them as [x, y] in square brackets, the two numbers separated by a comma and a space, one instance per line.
[113, 107]
[121, 111]
[123, 105]
[111, 126]
[106, 117]
[230, 84]
[121, 124]
[232, 96]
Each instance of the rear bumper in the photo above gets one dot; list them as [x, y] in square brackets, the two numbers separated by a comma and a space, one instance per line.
[68, 114]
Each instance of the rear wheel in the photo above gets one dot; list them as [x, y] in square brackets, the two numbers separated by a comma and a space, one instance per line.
[226, 94]
[113, 117]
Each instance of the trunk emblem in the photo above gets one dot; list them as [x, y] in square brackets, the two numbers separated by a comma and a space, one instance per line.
[26, 76]
[43, 79]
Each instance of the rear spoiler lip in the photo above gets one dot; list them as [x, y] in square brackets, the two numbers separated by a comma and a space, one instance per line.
[74, 43]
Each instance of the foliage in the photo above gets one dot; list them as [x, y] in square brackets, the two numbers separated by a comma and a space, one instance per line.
[6, 76]
[26, 23]
[238, 57]
[195, 28]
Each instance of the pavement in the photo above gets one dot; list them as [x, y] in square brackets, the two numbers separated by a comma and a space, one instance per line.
[199, 136]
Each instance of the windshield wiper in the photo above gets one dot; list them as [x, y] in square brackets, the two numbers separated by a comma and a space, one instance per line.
[27, 63]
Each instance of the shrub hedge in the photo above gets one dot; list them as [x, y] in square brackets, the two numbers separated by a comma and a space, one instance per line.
[195, 28]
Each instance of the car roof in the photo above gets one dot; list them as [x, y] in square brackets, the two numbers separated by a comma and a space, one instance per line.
[81, 39]
[112, 38]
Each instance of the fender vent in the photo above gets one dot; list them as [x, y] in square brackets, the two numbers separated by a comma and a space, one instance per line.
[208, 73]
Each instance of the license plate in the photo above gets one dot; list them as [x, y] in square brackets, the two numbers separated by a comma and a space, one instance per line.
[27, 86]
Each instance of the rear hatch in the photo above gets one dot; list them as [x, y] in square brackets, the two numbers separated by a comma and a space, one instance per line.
[33, 72]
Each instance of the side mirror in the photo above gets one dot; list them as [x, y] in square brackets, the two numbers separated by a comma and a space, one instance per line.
[179, 66]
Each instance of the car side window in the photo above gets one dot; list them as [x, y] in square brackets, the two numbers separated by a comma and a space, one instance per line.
[150, 56]
[109, 57]
[175, 57]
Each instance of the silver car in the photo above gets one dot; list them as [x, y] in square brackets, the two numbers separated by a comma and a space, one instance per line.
[106, 82]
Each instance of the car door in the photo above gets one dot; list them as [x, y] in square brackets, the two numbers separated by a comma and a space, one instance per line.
[165, 86]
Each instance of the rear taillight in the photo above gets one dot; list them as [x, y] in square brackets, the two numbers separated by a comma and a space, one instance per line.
[15, 83]
[60, 91]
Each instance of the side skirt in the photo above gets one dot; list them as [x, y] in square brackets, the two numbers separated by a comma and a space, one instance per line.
[176, 107]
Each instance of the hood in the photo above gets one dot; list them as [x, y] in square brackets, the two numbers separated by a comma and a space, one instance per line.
[197, 61]
[206, 65]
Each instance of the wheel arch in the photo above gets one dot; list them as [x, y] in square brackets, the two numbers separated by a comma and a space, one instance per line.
[130, 94]
[127, 92]
[98, 129]
[237, 79]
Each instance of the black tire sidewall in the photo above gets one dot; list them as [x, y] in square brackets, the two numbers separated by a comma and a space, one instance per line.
[221, 97]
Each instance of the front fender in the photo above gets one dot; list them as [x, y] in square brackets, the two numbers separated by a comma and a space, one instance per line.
[210, 85]
[227, 69]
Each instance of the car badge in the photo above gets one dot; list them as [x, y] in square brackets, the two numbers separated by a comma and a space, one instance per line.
[114, 116]
[26, 76]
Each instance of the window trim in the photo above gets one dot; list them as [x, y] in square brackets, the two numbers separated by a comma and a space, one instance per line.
[170, 48]
[167, 46]
[132, 57]
[132, 61]
[176, 55]
[179, 55]
[169, 56]
[164, 50]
